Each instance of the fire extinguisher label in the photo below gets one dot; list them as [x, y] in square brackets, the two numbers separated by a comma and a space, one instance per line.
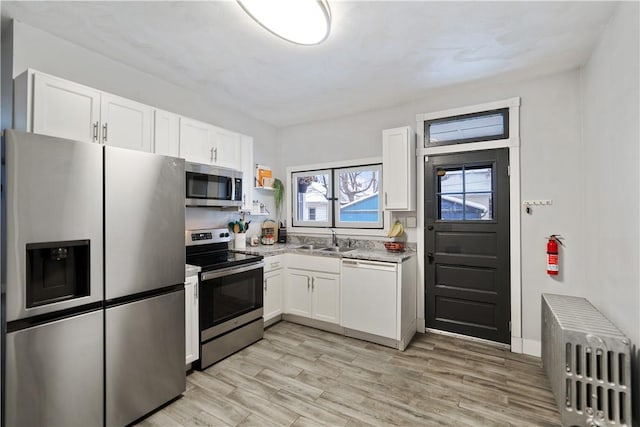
[552, 262]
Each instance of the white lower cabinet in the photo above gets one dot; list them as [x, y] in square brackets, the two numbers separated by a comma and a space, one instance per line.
[192, 343]
[325, 297]
[273, 287]
[313, 287]
[298, 294]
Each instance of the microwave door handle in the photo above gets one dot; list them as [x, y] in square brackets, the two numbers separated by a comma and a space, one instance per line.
[230, 189]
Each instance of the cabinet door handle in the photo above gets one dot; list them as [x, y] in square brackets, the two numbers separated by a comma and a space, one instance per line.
[275, 264]
[104, 132]
[385, 198]
[211, 156]
[215, 151]
[195, 300]
[308, 282]
[265, 284]
[313, 283]
[95, 131]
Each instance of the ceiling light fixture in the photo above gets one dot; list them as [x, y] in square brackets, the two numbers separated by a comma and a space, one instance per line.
[305, 22]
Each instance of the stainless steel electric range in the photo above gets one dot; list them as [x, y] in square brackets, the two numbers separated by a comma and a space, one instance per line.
[230, 294]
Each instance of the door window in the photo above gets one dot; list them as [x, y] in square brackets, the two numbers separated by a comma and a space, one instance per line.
[465, 193]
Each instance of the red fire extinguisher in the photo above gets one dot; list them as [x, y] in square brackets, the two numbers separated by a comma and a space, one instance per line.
[552, 254]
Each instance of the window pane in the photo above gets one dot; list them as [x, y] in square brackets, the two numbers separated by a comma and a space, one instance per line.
[313, 198]
[465, 193]
[450, 181]
[359, 195]
[478, 179]
[478, 206]
[468, 128]
[450, 207]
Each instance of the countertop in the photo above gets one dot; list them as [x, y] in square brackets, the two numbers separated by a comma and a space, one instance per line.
[366, 254]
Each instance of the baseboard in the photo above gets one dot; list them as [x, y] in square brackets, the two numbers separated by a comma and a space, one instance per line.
[532, 347]
[421, 325]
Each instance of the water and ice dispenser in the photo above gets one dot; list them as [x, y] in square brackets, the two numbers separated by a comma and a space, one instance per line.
[57, 271]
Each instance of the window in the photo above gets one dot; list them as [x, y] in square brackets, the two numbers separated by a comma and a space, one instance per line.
[465, 193]
[313, 192]
[475, 127]
[341, 197]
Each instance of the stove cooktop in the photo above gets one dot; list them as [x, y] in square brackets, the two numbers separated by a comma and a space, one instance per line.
[218, 261]
[208, 248]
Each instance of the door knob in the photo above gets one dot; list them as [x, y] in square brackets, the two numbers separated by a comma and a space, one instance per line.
[430, 227]
[430, 257]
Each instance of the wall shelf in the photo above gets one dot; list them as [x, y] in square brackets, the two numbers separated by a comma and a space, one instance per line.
[247, 212]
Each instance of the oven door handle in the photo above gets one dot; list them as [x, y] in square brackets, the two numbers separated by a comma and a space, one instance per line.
[231, 270]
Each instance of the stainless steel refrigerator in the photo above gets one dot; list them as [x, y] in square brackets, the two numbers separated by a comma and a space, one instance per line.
[95, 273]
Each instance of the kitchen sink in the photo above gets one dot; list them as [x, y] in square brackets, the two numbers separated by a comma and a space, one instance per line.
[337, 249]
[308, 247]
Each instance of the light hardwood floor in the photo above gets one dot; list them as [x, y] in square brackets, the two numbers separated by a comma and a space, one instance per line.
[301, 376]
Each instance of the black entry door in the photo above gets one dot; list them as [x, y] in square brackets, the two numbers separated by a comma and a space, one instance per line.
[467, 244]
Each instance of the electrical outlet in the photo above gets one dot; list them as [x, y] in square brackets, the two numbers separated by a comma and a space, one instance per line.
[412, 222]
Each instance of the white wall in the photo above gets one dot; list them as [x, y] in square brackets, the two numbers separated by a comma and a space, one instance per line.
[33, 48]
[611, 147]
[551, 150]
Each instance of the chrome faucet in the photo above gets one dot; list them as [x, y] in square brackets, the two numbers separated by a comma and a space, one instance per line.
[334, 238]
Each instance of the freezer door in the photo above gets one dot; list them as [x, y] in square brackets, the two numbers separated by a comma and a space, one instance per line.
[145, 353]
[54, 194]
[144, 221]
[54, 373]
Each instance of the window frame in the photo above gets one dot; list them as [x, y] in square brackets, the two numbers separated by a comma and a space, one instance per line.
[294, 200]
[504, 135]
[288, 210]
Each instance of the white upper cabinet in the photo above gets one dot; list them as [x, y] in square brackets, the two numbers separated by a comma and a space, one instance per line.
[64, 109]
[196, 141]
[227, 148]
[204, 143]
[399, 169]
[166, 133]
[53, 106]
[125, 123]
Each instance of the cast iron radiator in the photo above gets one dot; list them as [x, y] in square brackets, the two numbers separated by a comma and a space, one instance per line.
[587, 361]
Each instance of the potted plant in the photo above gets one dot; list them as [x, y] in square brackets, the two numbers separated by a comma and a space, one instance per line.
[278, 195]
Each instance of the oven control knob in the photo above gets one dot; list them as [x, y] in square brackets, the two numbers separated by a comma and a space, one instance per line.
[226, 234]
[221, 234]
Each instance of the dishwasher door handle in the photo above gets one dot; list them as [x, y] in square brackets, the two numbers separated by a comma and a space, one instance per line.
[373, 265]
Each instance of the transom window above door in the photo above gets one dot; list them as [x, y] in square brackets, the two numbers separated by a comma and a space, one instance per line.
[465, 193]
[474, 127]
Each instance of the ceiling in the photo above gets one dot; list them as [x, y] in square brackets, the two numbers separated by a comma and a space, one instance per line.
[378, 54]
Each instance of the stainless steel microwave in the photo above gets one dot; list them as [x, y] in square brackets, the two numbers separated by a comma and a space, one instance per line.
[212, 186]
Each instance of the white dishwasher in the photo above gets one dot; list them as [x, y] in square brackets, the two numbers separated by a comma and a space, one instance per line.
[369, 297]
